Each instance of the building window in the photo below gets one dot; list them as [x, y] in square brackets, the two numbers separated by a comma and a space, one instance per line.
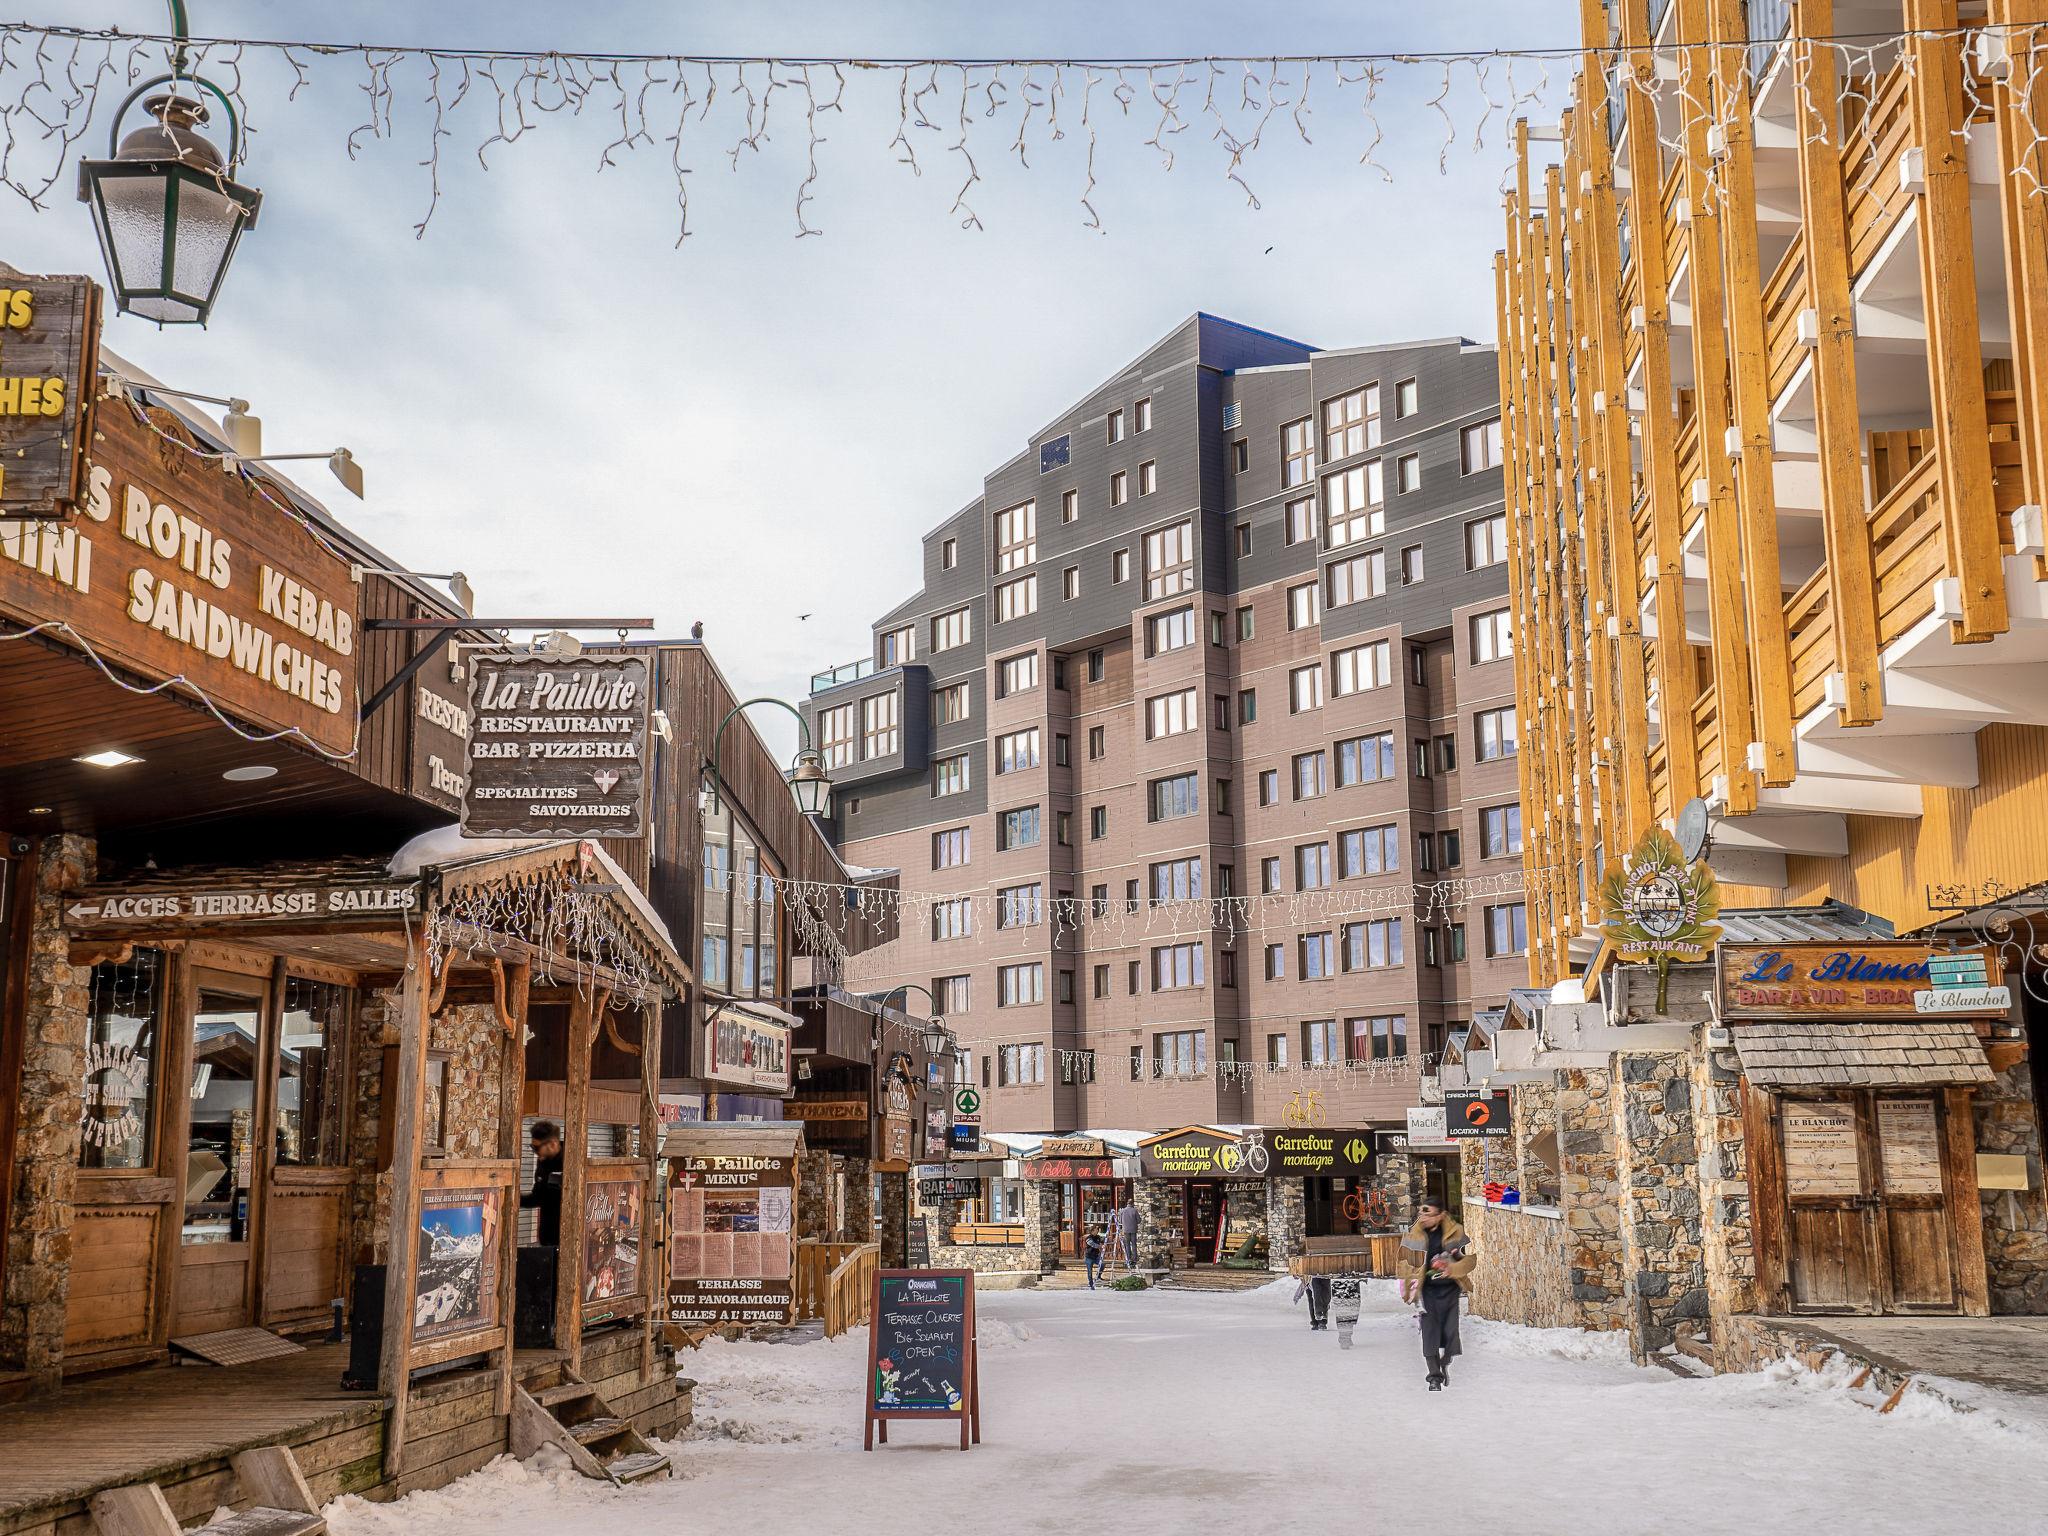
[1297, 453]
[1226, 976]
[1486, 542]
[949, 774]
[1169, 560]
[1017, 829]
[1407, 473]
[1098, 822]
[1017, 750]
[1507, 929]
[1309, 775]
[1020, 1065]
[1424, 859]
[949, 554]
[1418, 666]
[1453, 854]
[1446, 754]
[1142, 412]
[1303, 609]
[1500, 831]
[1219, 714]
[1432, 947]
[1493, 636]
[1016, 536]
[835, 735]
[1276, 959]
[1421, 759]
[880, 734]
[1247, 706]
[1245, 623]
[1116, 426]
[1063, 823]
[1019, 986]
[1269, 786]
[1479, 446]
[1356, 579]
[1276, 1051]
[1175, 797]
[1119, 565]
[1381, 1038]
[1372, 946]
[951, 629]
[1170, 631]
[1493, 733]
[1017, 674]
[1319, 1042]
[1305, 689]
[1098, 743]
[1411, 565]
[1131, 905]
[1456, 936]
[1148, 477]
[1095, 666]
[949, 704]
[897, 646]
[1405, 398]
[1318, 956]
[1312, 867]
[1240, 456]
[950, 848]
[953, 918]
[1362, 667]
[1176, 880]
[1368, 851]
[1182, 1053]
[955, 994]
[1176, 966]
[1070, 583]
[1066, 995]
[1301, 520]
[1099, 982]
[1351, 423]
[1171, 714]
[1061, 754]
[1020, 906]
[1015, 599]
[1365, 759]
[1269, 875]
[1119, 488]
[1070, 505]
[1354, 505]
[1244, 540]
[1098, 900]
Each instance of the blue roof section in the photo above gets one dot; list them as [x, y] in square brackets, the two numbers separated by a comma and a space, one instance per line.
[1830, 922]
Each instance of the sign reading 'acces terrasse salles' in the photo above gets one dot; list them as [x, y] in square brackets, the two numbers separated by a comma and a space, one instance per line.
[556, 748]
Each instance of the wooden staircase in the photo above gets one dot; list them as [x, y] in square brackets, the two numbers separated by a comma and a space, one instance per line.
[581, 1425]
[280, 1502]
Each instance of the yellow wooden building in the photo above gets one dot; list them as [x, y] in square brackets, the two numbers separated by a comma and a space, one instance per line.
[1774, 367]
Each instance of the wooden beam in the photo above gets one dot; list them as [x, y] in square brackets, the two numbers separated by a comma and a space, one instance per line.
[1845, 511]
[512, 987]
[653, 1268]
[174, 1138]
[1955, 345]
[586, 1010]
[1765, 1165]
[1966, 1209]
[403, 1245]
[2023, 174]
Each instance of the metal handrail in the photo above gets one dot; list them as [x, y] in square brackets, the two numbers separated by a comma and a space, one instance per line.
[845, 672]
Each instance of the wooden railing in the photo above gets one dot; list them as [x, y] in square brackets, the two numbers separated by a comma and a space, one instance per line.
[1907, 549]
[1690, 468]
[1667, 213]
[2008, 459]
[850, 1288]
[1706, 727]
[985, 1234]
[1875, 138]
[1660, 782]
[815, 1262]
[1784, 297]
[1810, 637]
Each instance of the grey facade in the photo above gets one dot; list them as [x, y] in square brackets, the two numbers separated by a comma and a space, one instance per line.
[1148, 673]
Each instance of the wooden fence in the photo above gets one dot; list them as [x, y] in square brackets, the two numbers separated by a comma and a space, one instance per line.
[815, 1262]
[849, 1290]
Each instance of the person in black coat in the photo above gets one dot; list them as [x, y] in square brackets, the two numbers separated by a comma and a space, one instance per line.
[546, 1194]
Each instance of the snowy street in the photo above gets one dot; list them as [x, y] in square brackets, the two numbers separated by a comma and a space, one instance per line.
[1167, 1410]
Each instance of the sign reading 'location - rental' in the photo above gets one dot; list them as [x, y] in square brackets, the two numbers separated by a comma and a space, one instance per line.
[556, 748]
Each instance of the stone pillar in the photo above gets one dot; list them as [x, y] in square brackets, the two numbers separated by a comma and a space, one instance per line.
[1659, 1167]
[1727, 1237]
[1286, 1221]
[54, 1003]
[1042, 1225]
[2015, 1220]
[1398, 1176]
[816, 1220]
[1591, 1194]
[857, 1221]
[1159, 1203]
[895, 1220]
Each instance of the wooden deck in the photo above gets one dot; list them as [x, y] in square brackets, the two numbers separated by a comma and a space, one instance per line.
[176, 1425]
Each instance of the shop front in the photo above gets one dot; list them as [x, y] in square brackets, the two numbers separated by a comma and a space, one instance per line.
[1202, 1197]
[1092, 1184]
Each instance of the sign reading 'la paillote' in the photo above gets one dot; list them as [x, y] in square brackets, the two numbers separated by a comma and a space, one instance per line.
[556, 748]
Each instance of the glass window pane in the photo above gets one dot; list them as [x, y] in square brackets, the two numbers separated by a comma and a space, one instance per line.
[309, 1084]
[124, 1015]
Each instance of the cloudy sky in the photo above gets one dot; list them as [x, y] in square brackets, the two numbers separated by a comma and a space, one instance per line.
[547, 394]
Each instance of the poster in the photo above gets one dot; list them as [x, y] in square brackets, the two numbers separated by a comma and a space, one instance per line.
[731, 1246]
[1820, 1148]
[920, 1342]
[455, 1281]
[611, 1240]
[1909, 1142]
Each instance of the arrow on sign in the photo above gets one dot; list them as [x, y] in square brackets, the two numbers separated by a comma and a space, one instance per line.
[80, 909]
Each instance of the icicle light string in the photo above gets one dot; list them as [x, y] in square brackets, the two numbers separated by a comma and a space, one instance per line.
[52, 79]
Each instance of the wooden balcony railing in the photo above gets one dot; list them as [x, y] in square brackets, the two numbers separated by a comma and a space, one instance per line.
[1877, 131]
[815, 1262]
[1810, 633]
[2008, 459]
[1907, 549]
[1784, 297]
[1660, 782]
[1667, 213]
[1706, 726]
[850, 1289]
[1690, 468]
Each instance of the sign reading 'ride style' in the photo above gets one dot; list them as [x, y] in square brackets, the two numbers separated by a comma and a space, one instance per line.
[556, 748]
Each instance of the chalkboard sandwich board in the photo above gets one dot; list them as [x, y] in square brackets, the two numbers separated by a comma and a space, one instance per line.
[922, 1361]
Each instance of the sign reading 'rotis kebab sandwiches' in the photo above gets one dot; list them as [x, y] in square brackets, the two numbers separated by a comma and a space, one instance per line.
[556, 748]
[49, 351]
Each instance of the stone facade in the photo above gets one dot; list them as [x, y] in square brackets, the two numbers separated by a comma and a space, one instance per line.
[2015, 1220]
[1521, 1273]
[1159, 1212]
[1286, 1221]
[1659, 1165]
[1042, 1225]
[46, 1130]
[1398, 1176]
[893, 1228]
[1726, 1235]
[1589, 1180]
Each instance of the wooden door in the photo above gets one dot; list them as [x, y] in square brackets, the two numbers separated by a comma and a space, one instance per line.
[231, 1086]
[1914, 1219]
[305, 1193]
[1832, 1243]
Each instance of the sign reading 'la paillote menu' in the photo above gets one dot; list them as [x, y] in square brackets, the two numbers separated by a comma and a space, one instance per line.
[556, 748]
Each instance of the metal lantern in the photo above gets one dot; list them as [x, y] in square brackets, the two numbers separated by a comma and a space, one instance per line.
[936, 1039]
[168, 214]
[810, 784]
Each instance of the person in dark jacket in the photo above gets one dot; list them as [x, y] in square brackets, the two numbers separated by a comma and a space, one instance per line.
[1091, 1255]
[546, 1194]
[1436, 1264]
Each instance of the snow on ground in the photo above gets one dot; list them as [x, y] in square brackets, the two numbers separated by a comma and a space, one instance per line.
[1167, 1411]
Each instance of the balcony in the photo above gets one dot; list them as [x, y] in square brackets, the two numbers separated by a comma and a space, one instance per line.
[1769, 22]
[846, 672]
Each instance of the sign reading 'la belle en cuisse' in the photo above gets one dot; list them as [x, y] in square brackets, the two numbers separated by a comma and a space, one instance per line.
[556, 748]
[177, 569]
[49, 350]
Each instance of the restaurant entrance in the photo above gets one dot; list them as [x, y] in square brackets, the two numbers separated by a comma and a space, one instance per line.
[1086, 1205]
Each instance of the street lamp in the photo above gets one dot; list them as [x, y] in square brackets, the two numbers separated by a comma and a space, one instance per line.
[809, 784]
[168, 211]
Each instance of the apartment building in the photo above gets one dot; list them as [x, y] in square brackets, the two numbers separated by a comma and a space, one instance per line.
[1195, 693]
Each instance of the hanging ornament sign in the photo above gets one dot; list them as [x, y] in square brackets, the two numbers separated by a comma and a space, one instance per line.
[1658, 908]
[49, 361]
[557, 748]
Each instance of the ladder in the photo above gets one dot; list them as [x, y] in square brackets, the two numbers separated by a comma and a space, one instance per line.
[280, 1502]
[577, 1422]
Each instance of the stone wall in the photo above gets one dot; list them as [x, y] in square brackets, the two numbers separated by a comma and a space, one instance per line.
[1398, 1176]
[1659, 1172]
[1159, 1207]
[2015, 1220]
[1521, 1274]
[1042, 1225]
[1590, 1178]
[46, 1130]
[1286, 1221]
[893, 1229]
[1726, 1234]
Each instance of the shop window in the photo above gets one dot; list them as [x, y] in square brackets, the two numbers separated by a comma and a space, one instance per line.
[124, 1043]
[310, 1133]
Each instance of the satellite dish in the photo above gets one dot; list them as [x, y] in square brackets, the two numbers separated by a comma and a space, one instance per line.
[1693, 829]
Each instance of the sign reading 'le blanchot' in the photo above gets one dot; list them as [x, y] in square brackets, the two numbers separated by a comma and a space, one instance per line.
[556, 748]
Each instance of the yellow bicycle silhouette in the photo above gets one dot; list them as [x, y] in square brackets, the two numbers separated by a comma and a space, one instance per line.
[1305, 1111]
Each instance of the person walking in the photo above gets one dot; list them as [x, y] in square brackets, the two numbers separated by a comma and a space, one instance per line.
[1317, 1289]
[1346, 1293]
[1437, 1259]
[1126, 1227]
[1091, 1256]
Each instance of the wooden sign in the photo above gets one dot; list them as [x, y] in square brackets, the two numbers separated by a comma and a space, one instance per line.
[825, 1109]
[257, 903]
[1875, 979]
[1193, 1152]
[440, 734]
[922, 1359]
[175, 568]
[556, 748]
[1072, 1146]
[742, 1047]
[1909, 1146]
[1820, 1147]
[49, 371]
[731, 1255]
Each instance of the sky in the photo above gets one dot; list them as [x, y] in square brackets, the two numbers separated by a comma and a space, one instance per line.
[547, 394]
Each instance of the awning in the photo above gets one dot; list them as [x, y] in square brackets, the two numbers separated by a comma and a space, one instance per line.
[1904, 1053]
